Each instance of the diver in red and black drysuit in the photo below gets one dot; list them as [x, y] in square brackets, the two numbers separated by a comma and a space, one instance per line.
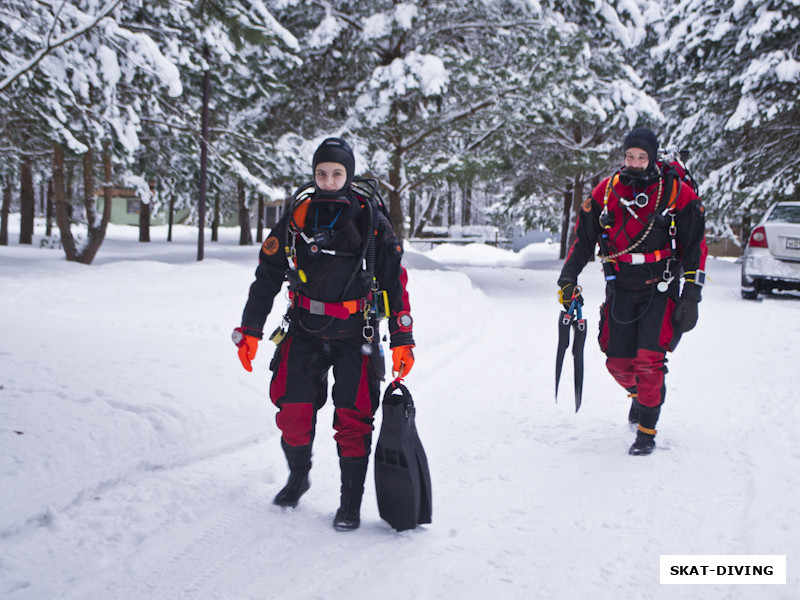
[320, 246]
[650, 225]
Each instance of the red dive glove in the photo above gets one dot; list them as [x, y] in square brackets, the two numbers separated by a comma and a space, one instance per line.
[247, 344]
[402, 360]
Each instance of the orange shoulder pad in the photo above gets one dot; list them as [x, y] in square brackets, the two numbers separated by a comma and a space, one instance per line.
[300, 212]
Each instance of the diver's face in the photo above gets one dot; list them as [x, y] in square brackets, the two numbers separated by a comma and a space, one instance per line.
[636, 159]
[330, 176]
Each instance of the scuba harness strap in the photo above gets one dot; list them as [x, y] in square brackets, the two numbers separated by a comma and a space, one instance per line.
[375, 304]
[668, 179]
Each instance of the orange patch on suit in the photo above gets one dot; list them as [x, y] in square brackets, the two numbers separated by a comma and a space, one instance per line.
[587, 205]
[270, 246]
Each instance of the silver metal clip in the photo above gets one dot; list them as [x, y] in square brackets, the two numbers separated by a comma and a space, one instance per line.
[315, 307]
[667, 276]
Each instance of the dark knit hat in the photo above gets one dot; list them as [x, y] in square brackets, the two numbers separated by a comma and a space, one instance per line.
[338, 151]
[644, 139]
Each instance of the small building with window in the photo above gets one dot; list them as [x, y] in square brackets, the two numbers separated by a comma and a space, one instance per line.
[125, 207]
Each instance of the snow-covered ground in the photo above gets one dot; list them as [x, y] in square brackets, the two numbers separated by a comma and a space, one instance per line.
[139, 460]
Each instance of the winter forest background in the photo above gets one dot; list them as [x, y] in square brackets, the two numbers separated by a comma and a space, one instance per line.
[469, 112]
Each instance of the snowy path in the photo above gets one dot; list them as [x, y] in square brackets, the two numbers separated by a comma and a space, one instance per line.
[530, 499]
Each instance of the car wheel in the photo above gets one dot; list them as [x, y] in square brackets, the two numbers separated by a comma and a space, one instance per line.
[750, 287]
[749, 294]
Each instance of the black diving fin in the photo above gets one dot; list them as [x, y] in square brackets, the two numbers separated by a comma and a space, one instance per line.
[402, 478]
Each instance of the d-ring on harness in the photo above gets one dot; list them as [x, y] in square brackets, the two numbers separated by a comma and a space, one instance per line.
[627, 255]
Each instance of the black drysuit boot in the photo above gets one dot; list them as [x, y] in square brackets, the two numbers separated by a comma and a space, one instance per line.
[354, 472]
[299, 460]
[633, 413]
[645, 441]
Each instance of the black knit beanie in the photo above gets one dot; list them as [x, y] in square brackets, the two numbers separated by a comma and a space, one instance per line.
[644, 139]
[338, 151]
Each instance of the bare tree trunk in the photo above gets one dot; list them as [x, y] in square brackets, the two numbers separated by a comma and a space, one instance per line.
[62, 214]
[171, 215]
[426, 216]
[395, 201]
[97, 230]
[437, 216]
[215, 220]
[89, 203]
[575, 205]
[108, 185]
[451, 204]
[49, 210]
[27, 202]
[68, 191]
[4, 215]
[412, 213]
[145, 210]
[466, 206]
[260, 220]
[201, 201]
[144, 221]
[572, 205]
[245, 235]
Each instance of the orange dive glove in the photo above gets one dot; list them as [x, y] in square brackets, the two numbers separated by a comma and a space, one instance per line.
[402, 360]
[248, 345]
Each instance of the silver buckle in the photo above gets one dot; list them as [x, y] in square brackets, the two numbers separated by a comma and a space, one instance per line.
[315, 307]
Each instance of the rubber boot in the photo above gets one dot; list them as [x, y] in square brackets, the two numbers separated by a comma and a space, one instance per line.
[354, 472]
[299, 460]
[645, 441]
[633, 413]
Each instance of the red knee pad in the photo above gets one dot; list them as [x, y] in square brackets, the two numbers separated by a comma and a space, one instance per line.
[296, 422]
[353, 431]
[650, 371]
[622, 371]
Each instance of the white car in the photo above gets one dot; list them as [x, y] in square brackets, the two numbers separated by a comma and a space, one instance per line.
[771, 259]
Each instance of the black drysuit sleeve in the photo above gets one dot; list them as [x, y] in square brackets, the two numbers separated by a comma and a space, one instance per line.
[587, 231]
[270, 275]
[690, 225]
[392, 277]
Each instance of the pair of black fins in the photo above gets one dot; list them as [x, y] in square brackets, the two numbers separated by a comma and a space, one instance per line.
[402, 479]
[572, 319]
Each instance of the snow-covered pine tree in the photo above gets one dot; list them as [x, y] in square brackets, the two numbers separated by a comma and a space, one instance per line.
[728, 74]
[126, 78]
[423, 86]
[62, 70]
[242, 52]
[586, 95]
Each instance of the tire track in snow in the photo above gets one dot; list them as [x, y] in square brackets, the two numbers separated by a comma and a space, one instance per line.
[192, 560]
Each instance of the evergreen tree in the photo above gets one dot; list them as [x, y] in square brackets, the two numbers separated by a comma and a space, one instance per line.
[728, 74]
[586, 95]
[241, 51]
[424, 86]
[64, 70]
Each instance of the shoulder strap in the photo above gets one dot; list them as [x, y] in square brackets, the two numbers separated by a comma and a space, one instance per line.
[298, 205]
[299, 213]
[672, 182]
